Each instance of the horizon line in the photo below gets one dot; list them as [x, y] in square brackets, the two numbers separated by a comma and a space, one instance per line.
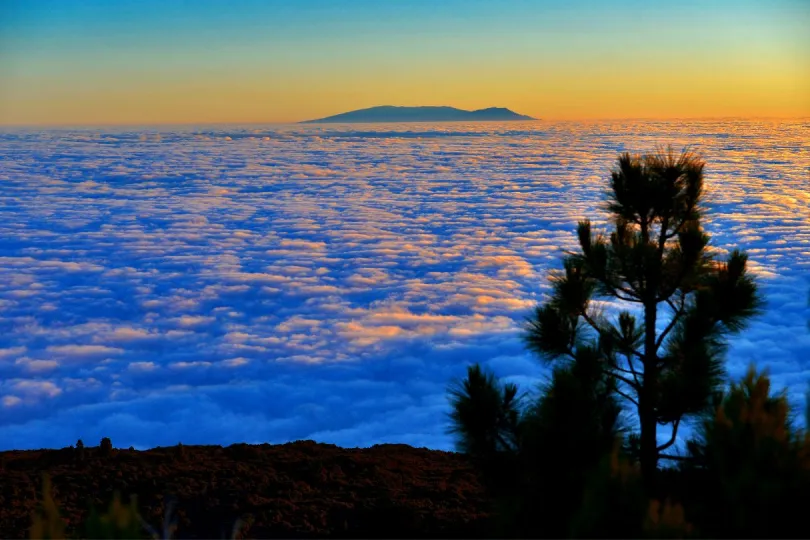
[297, 122]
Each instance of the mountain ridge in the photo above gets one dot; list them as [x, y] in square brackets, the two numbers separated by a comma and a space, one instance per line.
[428, 113]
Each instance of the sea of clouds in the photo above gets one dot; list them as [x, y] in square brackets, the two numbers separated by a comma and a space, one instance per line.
[214, 285]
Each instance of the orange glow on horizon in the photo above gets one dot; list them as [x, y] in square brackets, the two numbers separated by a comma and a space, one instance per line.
[741, 63]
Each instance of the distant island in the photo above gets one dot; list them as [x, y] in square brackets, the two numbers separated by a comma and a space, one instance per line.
[390, 113]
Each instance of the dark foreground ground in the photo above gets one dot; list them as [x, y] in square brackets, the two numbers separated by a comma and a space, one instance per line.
[300, 489]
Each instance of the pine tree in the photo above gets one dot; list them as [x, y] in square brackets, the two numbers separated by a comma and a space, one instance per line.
[749, 471]
[655, 259]
[535, 455]
[485, 418]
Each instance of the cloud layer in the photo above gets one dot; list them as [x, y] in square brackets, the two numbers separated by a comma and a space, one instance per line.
[278, 283]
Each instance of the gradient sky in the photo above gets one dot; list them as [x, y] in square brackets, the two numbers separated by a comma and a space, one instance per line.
[158, 61]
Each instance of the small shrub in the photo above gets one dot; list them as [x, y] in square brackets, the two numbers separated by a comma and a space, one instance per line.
[666, 521]
[79, 451]
[750, 465]
[243, 452]
[47, 523]
[120, 521]
[106, 446]
[614, 504]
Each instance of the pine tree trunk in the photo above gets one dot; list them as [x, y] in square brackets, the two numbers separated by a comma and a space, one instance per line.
[647, 417]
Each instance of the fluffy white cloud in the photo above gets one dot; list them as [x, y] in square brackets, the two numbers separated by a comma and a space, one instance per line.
[328, 283]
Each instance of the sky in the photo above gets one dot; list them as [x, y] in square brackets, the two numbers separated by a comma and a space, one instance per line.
[86, 62]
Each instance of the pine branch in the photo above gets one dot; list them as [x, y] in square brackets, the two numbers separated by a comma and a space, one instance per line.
[617, 368]
[628, 295]
[504, 443]
[625, 396]
[680, 225]
[674, 289]
[679, 311]
[570, 352]
[615, 294]
[614, 291]
[675, 458]
[634, 385]
[633, 367]
[632, 371]
[662, 237]
[592, 323]
[671, 440]
[602, 332]
[678, 282]
[573, 340]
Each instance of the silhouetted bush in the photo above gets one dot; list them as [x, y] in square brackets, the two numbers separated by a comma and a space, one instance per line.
[105, 448]
[119, 522]
[749, 471]
[180, 452]
[613, 504]
[80, 452]
[535, 457]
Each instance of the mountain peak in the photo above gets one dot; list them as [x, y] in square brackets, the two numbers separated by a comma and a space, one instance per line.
[395, 113]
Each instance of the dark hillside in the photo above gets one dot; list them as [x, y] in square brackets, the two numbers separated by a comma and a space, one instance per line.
[300, 489]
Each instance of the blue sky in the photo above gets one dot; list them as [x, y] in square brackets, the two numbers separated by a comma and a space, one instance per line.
[248, 60]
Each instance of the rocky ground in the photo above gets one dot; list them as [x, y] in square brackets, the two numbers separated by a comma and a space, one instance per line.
[301, 489]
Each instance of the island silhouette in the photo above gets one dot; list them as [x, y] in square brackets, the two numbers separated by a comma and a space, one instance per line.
[391, 113]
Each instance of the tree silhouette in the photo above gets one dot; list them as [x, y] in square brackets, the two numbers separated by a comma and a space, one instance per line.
[485, 419]
[655, 257]
[750, 467]
[567, 432]
[535, 455]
